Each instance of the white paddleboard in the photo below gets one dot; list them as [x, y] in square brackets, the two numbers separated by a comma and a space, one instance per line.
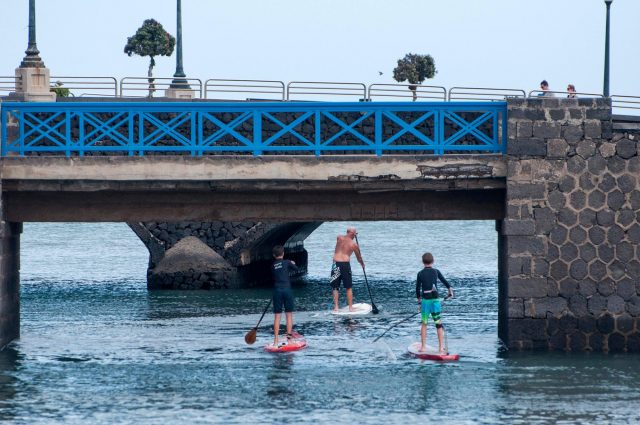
[359, 309]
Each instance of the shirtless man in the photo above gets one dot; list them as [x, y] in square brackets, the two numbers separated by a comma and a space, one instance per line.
[341, 268]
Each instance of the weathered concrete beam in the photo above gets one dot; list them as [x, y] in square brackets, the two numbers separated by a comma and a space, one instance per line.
[350, 185]
[265, 168]
[292, 188]
[284, 205]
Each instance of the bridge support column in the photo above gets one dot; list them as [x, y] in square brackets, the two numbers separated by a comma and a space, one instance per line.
[571, 236]
[9, 282]
[503, 283]
[245, 247]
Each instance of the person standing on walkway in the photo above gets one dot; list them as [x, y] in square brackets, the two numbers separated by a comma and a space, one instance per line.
[544, 87]
[341, 268]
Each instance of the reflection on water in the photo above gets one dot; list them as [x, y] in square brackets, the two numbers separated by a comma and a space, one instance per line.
[10, 359]
[97, 347]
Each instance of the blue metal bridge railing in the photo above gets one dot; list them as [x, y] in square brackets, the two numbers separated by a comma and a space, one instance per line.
[257, 128]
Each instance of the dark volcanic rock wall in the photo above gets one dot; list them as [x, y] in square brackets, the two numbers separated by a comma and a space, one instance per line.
[570, 239]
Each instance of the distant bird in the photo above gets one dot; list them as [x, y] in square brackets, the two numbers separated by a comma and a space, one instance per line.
[380, 72]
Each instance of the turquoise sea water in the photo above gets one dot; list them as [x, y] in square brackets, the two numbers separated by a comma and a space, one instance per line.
[98, 348]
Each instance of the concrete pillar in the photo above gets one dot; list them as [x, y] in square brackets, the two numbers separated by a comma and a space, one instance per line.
[33, 85]
[176, 93]
[9, 282]
[503, 284]
[32, 77]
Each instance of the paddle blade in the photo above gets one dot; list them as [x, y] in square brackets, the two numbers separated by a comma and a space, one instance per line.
[250, 337]
[374, 309]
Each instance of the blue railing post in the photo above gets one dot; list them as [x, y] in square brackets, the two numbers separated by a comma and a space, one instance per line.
[140, 134]
[3, 130]
[318, 133]
[200, 133]
[131, 140]
[378, 132]
[438, 132]
[257, 133]
[194, 135]
[81, 135]
[68, 141]
[21, 132]
[496, 126]
[505, 127]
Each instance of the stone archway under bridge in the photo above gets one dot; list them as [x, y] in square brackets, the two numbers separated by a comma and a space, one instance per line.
[231, 254]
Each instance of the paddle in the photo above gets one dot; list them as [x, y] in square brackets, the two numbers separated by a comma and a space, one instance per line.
[446, 340]
[250, 337]
[404, 320]
[396, 324]
[374, 309]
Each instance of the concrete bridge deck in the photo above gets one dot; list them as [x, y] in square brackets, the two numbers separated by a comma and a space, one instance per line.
[288, 188]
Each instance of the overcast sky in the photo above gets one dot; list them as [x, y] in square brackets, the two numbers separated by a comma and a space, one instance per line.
[485, 43]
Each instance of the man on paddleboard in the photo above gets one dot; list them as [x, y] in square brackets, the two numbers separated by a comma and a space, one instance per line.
[341, 268]
[282, 293]
[427, 294]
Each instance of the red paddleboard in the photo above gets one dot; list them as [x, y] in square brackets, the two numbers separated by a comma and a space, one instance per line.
[296, 343]
[431, 354]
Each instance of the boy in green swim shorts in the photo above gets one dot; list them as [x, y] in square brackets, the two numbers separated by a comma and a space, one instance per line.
[427, 294]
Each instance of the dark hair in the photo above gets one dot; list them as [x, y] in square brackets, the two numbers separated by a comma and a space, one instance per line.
[544, 83]
[427, 258]
[278, 250]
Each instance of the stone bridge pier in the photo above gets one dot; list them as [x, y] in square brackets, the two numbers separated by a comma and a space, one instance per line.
[241, 252]
[9, 281]
[570, 239]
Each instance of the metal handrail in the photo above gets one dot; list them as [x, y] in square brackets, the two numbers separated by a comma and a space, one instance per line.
[540, 93]
[159, 83]
[278, 90]
[403, 91]
[625, 102]
[107, 84]
[8, 84]
[324, 88]
[260, 87]
[483, 93]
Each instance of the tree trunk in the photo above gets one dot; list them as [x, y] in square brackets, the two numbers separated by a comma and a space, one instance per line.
[414, 91]
[152, 87]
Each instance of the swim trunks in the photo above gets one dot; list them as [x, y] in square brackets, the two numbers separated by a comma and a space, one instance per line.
[341, 272]
[282, 297]
[433, 307]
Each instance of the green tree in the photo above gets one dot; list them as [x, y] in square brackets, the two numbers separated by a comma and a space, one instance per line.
[415, 69]
[151, 40]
